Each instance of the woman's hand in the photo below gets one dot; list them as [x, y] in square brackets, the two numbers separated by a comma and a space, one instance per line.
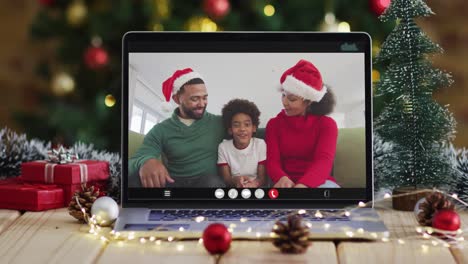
[284, 182]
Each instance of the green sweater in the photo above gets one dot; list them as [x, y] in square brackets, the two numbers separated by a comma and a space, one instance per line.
[188, 150]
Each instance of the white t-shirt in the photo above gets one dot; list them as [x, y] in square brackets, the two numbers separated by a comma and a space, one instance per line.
[242, 161]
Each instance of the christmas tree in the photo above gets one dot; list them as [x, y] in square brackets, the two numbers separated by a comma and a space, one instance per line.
[418, 128]
[82, 102]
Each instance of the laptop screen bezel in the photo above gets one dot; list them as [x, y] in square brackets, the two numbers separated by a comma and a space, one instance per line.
[246, 38]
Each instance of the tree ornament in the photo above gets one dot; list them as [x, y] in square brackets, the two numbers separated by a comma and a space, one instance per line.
[379, 6]
[96, 58]
[433, 203]
[77, 13]
[292, 237]
[83, 199]
[447, 220]
[47, 3]
[109, 101]
[216, 239]
[62, 84]
[106, 210]
[216, 9]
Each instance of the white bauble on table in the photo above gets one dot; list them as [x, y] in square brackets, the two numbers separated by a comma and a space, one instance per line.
[105, 210]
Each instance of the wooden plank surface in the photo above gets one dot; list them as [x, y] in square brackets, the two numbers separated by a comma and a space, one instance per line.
[7, 217]
[194, 252]
[392, 252]
[402, 226]
[54, 237]
[48, 237]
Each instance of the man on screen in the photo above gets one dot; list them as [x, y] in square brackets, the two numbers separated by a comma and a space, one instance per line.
[188, 140]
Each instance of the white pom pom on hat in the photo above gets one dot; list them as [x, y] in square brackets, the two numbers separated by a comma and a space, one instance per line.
[304, 80]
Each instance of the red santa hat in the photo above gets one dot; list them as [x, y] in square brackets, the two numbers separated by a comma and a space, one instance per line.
[304, 80]
[173, 84]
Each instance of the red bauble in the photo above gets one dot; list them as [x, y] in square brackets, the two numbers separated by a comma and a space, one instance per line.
[447, 220]
[216, 8]
[46, 2]
[379, 6]
[96, 57]
[216, 239]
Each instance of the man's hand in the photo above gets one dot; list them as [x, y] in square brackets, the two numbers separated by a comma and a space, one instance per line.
[153, 174]
[284, 182]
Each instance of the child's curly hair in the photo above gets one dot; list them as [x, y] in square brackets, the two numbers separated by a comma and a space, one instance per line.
[236, 106]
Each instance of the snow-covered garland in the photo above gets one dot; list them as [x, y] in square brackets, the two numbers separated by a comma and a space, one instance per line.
[16, 148]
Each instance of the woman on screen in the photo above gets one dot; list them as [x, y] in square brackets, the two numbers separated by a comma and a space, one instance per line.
[301, 139]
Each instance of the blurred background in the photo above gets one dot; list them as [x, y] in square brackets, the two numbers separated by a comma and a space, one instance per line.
[60, 59]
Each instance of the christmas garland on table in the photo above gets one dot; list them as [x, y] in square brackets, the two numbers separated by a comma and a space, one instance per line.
[16, 148]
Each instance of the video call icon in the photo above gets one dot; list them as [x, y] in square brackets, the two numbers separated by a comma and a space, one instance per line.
[219, 193]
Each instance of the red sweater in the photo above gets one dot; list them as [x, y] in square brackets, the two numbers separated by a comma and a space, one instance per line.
[301, 147]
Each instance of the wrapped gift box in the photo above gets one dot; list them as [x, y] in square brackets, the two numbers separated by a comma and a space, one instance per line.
[77, 172]
[69, 176]
[19, 195]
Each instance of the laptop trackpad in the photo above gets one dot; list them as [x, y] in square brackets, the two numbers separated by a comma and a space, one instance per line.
[155, 227]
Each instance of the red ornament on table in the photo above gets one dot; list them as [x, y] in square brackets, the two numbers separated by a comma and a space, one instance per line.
[96, 57]
[216, 239]
[216, 9]
[379, 6]
[447, 220]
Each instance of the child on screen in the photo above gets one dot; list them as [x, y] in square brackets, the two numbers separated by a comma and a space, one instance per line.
[241, 159]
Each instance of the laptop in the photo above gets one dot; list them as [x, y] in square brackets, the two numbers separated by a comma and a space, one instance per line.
[248, 65]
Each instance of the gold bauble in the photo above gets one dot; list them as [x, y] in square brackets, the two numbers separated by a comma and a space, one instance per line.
[62, 84]
[109, 101]
[77, 13]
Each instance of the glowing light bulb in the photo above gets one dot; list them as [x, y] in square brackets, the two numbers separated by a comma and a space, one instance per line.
[269, 10]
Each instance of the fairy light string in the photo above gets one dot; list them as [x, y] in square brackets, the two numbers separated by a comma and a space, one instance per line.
[427, 236]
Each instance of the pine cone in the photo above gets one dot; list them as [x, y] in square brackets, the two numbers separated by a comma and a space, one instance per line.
[434, 202]
[291, 237]
[85, 198]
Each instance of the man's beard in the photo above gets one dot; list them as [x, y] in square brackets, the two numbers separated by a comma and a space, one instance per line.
[191, 113]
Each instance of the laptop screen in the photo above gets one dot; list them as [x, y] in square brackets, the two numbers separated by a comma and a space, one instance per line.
[246, 119]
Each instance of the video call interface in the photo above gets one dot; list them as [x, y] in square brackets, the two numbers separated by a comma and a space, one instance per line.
[243, 126]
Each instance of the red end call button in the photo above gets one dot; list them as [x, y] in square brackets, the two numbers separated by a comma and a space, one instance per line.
[273, 193]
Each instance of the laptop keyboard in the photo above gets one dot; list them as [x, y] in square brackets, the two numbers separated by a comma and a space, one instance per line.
[250, 215]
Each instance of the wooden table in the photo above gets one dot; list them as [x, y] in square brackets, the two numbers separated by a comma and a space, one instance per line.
[55, 237]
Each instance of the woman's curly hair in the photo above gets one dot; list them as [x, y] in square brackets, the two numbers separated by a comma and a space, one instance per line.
[324, 106]
[237, 106]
